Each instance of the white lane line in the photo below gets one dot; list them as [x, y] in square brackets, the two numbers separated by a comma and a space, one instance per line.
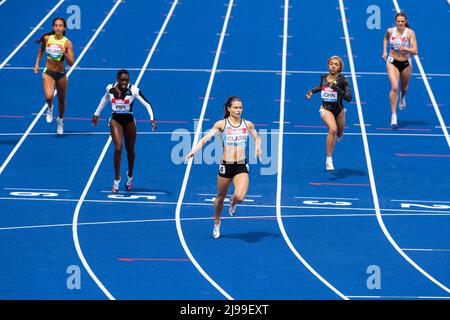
[177, 133]
[262, 218]
[34, 189]
[426, 250]
[33, 123]
[30, 34]
[280, 158]
[189, 164]
[428, 87]
[3, 1]
[369, 160]
[100, 159]
[231, 70]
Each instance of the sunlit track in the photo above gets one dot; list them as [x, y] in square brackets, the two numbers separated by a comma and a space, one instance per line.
[301, 233]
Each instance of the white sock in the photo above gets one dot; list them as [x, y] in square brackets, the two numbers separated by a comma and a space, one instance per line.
[329, 159]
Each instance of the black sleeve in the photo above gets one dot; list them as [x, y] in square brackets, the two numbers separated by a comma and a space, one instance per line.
[318, 87]
[343, 89]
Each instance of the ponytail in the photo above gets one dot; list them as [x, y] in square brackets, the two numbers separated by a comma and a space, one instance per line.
[227, 104]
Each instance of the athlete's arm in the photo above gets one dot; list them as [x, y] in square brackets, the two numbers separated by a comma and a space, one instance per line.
[385, 43]
[343, 89]
[140, 96]
[100, 107]
[39, 54]
[255, 135]
[218, 126]
[68, 52]
[317, 88]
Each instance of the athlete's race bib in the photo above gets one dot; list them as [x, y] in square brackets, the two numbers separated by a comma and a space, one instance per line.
[54, 51]
[329, 94]
[120, 105]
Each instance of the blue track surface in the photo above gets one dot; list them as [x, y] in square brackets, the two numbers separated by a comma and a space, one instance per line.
[338, 225]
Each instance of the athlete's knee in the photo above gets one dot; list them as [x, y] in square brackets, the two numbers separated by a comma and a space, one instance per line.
[130, 151]
[332, 131]
[394, 89]
[220, 198]
[118, 148]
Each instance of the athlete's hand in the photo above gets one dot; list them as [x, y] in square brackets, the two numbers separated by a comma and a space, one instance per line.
[36, 69]
[384, 56]
[154, 126]
[308, 95]
[258, 153]
[94, 121]
[189, 156]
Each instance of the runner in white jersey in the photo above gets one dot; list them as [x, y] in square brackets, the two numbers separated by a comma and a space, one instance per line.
[234, 165]
[402, 42]
[122, 124]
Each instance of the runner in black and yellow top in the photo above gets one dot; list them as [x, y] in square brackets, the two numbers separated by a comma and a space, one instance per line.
[334, 88]
[122, 124]
[234, 166]
[57, 49]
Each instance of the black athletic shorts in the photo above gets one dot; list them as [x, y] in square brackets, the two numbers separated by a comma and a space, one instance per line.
[230, 169]
[400, 65]
[55, 75]
[124, 119]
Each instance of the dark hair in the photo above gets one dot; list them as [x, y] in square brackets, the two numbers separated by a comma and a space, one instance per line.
[41, 39]
[122, 71]
[402, 14]
[227, 104]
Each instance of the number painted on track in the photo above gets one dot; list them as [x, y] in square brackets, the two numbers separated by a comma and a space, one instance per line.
[33, 194]
[318, 203]
[434, 206]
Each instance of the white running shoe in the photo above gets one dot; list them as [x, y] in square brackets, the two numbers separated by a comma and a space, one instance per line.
[402, 104]
[232, 210]
[115, 187]
[339, 139]
[394, 121]
[49, 116]
[329, 165]
[59, 126]
[216, 231]
[129, 183]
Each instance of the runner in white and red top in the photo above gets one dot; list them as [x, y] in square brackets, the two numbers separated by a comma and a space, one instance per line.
[402, 43]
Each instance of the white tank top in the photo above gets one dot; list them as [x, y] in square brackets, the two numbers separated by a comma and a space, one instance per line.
[399, 40]
[235, 136]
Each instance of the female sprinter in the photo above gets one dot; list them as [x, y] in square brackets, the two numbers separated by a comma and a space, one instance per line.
[334, 87]
[234, 165]
[402, 43]
[122, 124]
[57, 49]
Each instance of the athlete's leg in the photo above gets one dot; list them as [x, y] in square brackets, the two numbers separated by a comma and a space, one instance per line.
[130, 140]
[61, 87]
[394, 76]
[49, 89]
[116, 131]
[222, 188]
[405, 76]
[330, 121]
[240, 182]
[340, 123]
